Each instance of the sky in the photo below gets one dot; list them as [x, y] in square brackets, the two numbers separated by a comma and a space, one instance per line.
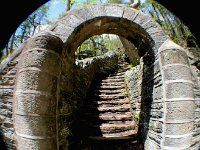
[57, 7]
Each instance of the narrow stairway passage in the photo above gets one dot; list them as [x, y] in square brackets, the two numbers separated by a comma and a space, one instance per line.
[106, 121]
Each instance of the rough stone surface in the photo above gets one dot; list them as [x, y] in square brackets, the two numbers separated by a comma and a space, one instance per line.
[194, 57]
[7, 83]
[145, 89]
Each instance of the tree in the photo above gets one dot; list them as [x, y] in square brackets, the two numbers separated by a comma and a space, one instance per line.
[169, 22]
[69, 4]
[27, 29]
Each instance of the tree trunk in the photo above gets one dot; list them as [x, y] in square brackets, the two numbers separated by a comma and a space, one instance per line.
[7, 50]
[157, 14]
[79, 53]
[34, 28]
[94, 45]
[12, 42]
[68, 7]
[164, 13]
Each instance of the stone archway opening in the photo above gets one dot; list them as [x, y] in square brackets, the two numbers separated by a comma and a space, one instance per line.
[105, 118]
[110, 25]
[49, 89]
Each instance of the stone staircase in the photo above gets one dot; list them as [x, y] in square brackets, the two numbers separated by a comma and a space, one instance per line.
[107, 115]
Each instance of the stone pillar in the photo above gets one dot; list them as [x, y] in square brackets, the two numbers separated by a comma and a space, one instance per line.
[178, 96]
[36, 94]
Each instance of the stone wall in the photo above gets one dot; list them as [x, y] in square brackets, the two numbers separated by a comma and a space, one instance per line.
[133, 81]
[7, 82]
[74, 84]
[196, 131]
[145, 93]
[194, 61]
[8, 71]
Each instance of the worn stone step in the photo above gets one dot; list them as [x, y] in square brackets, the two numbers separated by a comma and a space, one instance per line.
[122, 71]
[115, 77]
[12, 63]
[106, 127]
[8, 76]
[105, 87]
[10, 68]
[123, 65]
[100, 138]
[12, 71]
[118, 136]
[109, 128]
[3, 72]
[6, 87]
[111, 84]
[121, 108]
[111, 102]
[112, 122]
[101, 91]
[112, 116]
[112, 80]
[123, 68]
[108, 97]
[117, 74]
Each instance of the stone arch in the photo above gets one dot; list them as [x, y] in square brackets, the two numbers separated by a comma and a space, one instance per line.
[35, 107]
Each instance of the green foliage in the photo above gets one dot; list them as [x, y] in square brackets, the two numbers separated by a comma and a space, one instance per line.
[198, 74]
[115, 1]
[124, 91]
[2, 57]
[171, 24]
[28, 28]
[98, 45]
[136, 117]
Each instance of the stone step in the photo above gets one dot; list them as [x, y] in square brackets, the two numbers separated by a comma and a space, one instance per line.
[122, 71]
[6, 87]
[112, 80]
[111, 116]
[12, 63]
[111, 102]
[111, 83]
[104, 87]
[8, 76]
[123, 67]
[120, 108]
[12, 71]
[10, 68]
[115, 77]
[106, 127]
[108, 97]
[118, 136]
[117, 74]
[101, 91]
[121, 134]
